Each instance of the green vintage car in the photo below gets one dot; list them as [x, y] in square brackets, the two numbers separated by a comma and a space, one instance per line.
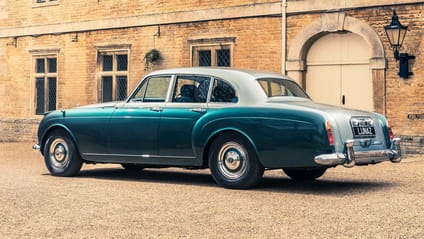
[235, 122]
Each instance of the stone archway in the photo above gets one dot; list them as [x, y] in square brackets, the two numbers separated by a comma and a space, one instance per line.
[339, 22]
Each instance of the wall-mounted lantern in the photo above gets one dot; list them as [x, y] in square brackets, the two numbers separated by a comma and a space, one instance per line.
[396, 33]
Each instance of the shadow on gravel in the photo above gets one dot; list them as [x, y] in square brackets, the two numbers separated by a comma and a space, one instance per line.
[268, 184]
[322, 186]
[186, 177]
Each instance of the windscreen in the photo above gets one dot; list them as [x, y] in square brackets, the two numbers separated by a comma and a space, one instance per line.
[281, 87]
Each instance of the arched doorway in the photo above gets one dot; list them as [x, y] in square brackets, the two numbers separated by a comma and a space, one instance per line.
[338, 72]
[337, 24]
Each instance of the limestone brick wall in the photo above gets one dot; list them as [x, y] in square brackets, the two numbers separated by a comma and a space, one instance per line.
[28, 13]
[77, 82]
[18, 130]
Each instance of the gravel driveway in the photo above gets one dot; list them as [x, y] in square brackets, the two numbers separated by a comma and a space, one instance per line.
[105, 201]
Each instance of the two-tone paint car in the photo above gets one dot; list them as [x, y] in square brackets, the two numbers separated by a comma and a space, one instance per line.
[235, 122]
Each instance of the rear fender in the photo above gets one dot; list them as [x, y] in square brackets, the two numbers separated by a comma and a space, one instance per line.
[210, 126]
[272, 142]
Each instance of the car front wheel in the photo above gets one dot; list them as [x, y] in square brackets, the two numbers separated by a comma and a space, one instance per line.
[304, 173]
[233, 163]
[60, 155]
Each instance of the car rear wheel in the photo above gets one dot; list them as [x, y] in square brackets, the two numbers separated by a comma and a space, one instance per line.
[233, 163]
[132, 167]
[304, 173]
[60, 155]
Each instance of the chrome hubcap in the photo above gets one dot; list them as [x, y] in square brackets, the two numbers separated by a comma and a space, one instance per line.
[232, 160]
[59, 153]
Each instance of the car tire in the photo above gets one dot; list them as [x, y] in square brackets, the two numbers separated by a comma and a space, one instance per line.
[304, 173]
[61, 156]
[233, 162]
[132, 167]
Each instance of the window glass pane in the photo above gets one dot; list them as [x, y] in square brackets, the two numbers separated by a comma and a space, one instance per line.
[122, 62]
[223, 92]
[39, 66]
[204, 58]
[223, 57]
[39, 88]
[52, 65]
[52, 93]
[107, 88]
[139, 95]
[115, 85]
[202, 90]
[107, 63]
[191, 89]
[121, 84]
[157, 89]
[281, 87]
[264, 85]
[277, 89]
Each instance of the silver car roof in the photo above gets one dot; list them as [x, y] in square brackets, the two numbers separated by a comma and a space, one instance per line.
[245, 81]
[220, 72]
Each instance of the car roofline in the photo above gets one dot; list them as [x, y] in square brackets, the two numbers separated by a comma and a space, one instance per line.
[220, 72]
[232, 75]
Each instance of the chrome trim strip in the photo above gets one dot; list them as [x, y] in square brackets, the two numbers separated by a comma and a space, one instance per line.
[137, 156]
[352, 158]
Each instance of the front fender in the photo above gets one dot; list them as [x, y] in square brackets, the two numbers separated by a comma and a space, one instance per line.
[49, 129]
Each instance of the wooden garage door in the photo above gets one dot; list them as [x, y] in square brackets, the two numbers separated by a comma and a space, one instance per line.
[338, 71]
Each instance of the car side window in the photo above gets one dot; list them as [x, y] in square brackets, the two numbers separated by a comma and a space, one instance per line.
[223, 92]
[153, 89]
[191, 89]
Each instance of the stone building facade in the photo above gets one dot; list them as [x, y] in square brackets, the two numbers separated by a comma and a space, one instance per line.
[58, 54]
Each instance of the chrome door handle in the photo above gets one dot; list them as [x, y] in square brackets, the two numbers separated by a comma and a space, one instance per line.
[199, 110]
[156, 109]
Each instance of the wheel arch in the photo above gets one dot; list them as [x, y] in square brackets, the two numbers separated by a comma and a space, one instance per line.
[213, 136]
[56, 127]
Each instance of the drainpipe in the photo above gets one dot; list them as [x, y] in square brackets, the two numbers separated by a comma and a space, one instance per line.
[283, 36]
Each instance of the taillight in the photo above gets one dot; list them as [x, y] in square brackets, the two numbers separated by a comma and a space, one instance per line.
[391, 134]
[329, 133]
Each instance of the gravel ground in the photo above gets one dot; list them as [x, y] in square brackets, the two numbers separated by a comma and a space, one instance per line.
[104, 201]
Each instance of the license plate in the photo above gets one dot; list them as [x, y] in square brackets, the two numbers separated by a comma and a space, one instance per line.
[362, 127]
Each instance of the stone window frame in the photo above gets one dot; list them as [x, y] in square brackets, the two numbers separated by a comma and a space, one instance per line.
[212, 44]
[44, 54]
[111, 50]
[44, 3]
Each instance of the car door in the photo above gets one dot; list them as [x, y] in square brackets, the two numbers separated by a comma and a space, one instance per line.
[134, 126]
[188, 103]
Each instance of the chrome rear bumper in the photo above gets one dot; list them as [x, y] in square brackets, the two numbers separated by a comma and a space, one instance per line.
[36, 147]
[351, 158]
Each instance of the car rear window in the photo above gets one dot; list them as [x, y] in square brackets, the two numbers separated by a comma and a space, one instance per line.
[281, 87]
